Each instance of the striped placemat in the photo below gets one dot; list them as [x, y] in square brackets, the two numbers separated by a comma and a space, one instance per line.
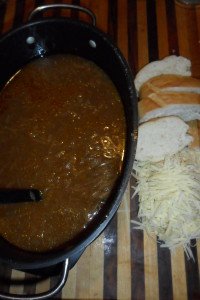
[123, 263]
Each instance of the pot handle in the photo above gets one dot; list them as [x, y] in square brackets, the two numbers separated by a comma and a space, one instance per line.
[44, 295]
[66, 6]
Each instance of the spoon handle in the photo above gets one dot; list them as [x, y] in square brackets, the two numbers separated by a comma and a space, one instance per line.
[9, 196]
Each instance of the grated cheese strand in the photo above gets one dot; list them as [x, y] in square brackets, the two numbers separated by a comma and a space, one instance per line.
[169, 198]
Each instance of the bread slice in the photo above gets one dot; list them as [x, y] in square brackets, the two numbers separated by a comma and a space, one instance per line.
[169, 65]
[170, 83]
[161, 137]
[184, 105]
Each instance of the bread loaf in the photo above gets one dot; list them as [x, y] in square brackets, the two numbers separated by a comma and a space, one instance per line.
[165, 88]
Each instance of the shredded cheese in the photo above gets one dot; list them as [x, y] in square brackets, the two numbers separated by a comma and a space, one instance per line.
[169, 198]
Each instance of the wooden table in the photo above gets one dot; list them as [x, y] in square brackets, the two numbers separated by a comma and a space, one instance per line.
[123, 263]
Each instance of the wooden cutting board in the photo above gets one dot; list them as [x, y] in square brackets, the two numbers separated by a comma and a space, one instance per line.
[123, 263]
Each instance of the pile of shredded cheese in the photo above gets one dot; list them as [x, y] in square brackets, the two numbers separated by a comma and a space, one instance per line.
[169, 198]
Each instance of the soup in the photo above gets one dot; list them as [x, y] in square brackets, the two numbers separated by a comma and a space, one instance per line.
[62, 131]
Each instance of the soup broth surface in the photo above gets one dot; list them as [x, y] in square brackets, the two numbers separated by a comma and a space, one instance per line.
[62, 131]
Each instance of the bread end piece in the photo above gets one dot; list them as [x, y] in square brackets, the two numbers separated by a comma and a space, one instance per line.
[161, 137]
[172, 64]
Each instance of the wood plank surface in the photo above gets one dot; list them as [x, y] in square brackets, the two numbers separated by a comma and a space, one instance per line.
[124, 263]
[163, 45]
[124, 246]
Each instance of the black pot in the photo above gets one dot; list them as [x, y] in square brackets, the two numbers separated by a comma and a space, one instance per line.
[62, 35]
